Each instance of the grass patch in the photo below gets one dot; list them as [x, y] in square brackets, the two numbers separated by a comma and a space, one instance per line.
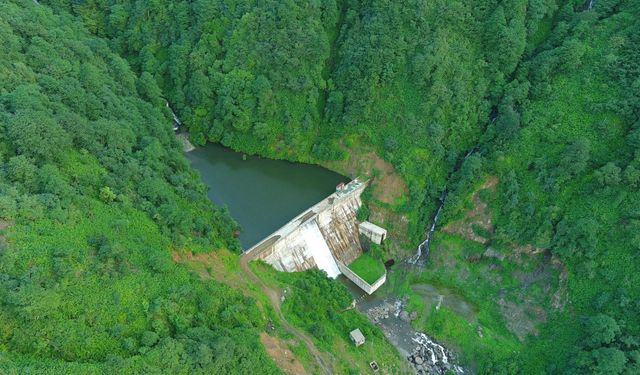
[367, 267]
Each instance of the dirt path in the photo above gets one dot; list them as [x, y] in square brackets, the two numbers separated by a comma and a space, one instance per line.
[274, 298]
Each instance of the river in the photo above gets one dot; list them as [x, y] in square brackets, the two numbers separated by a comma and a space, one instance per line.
[261, 194]
[389, 312]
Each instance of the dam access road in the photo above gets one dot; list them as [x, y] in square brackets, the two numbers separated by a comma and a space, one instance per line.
[274, 295]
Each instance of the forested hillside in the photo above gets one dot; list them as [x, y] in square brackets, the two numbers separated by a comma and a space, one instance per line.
[315, 81]
[94, 195]
[546, 93]
[568, 162]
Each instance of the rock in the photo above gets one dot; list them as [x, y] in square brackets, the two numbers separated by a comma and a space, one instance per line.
[404, 316]
[492, 253]
[419, 360]
[473, 258]
[413, 315]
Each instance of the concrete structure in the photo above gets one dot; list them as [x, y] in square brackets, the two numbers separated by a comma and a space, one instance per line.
[357, 337]
[359, 281]
[373, 232]
[326, 236]
[374, 366]
[318, 236]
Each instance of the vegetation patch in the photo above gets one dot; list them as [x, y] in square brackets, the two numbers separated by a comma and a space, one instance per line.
[477, 223]
[368, 268]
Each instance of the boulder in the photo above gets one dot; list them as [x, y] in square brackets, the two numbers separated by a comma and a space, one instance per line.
[404, 316]
[492, 253]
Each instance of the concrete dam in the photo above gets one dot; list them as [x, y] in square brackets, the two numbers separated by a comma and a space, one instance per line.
[325, 236]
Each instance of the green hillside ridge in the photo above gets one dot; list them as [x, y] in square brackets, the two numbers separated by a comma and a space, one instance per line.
[94, 194]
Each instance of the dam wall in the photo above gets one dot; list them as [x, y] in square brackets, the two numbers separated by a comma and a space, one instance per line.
[319, 237]
[339, 228]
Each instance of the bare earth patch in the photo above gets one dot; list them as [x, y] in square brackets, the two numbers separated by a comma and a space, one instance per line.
[521, 319]
[524, 314]
[387, 187]
[479, 216]
[560, 297]
[279, 351]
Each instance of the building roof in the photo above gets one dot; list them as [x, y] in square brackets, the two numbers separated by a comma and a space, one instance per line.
[373, 228]
[356, 335]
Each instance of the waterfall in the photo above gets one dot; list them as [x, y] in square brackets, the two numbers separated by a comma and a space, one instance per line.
[423, 248]
[176, 121]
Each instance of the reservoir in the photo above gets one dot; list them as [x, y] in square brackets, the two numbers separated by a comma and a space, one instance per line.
[261, 194]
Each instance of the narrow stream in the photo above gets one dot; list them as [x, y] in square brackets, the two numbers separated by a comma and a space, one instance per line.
[422, 252]
[176, 121]
[423, 248]
[423, 352]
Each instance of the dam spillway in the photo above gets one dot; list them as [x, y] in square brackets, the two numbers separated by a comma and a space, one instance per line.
[311, 238]
[326, 236]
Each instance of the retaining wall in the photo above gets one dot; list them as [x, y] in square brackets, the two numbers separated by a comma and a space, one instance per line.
[359, 281]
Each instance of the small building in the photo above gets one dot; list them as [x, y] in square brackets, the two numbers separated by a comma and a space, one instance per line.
[374, 366]
[373, 232]
[357, 337]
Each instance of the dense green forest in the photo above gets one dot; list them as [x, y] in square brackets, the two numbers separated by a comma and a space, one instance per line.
[545, 92]
[316, 81]
[97, 193]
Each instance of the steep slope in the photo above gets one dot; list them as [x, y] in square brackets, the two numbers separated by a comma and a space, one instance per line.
[94, 194]
[318, 81]
[563, 150]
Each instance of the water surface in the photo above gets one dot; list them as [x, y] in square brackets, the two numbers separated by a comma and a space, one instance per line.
[262, 194]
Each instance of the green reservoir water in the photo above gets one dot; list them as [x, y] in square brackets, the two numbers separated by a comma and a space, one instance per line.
[261, 194]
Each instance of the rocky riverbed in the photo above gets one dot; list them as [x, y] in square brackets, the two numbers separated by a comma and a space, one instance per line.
[430, 357]
[425, 354]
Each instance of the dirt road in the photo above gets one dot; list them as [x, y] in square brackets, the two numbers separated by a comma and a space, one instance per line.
[274, 299]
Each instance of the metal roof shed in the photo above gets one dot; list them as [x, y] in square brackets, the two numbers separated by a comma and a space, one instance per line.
[357, 337]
